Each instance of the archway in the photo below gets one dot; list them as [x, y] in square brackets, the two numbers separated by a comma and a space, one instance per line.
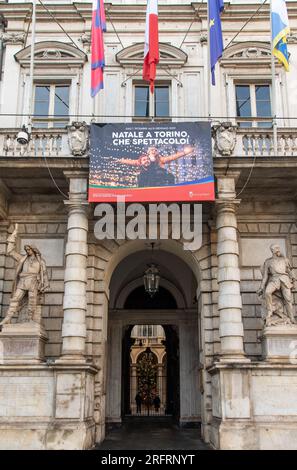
[175, 308]
[150, 371]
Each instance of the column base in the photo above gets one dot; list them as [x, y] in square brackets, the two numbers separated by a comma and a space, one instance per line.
[71, 359]
[234, 357]
[279, 343]
[22, 343]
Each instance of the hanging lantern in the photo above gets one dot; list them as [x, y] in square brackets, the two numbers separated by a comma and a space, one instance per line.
[151, 280]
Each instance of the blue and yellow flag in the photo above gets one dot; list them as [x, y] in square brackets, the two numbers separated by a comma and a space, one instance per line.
[280, 30]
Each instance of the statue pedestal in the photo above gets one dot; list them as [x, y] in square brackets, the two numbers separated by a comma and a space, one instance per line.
[22, 342]
[279, 343]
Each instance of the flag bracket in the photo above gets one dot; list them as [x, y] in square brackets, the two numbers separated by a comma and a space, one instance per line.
[123, 84]
[180, 84]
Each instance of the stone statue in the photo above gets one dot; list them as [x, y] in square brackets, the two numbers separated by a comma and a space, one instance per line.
[30, 282]
[225, 138]
[78, 138]
[276, 289]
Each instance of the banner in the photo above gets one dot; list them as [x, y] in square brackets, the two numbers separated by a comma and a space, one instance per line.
[151, 162]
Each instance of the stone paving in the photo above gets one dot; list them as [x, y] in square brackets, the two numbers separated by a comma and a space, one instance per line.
[142, 434]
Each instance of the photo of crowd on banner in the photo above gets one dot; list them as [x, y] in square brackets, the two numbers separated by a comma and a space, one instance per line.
[174, 157]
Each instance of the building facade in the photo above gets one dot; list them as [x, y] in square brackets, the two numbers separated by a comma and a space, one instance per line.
[222, 370]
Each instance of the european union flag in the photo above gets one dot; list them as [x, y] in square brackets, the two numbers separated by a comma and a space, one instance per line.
[215, 8]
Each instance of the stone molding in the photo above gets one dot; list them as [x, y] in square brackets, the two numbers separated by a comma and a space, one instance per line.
[52, 53]
[247, 53]
[292, 38]
[169, 55]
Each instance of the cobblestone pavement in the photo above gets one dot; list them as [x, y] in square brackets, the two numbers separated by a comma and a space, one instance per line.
[154, 435]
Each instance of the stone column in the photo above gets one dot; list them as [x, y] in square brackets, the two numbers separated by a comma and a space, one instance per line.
[188, 369]
[75, 277]
[229, 302]
[160, 386]
[133, 387]
[114, 371]
[3, 243]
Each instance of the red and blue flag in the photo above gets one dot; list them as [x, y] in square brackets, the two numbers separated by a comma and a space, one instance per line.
[97, 46]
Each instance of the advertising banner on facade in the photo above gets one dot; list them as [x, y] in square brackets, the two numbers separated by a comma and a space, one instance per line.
[151, 162]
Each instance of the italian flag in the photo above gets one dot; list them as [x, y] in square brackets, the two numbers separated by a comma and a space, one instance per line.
[151, 43]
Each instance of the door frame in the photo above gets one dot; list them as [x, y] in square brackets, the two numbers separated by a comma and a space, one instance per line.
[186, 321]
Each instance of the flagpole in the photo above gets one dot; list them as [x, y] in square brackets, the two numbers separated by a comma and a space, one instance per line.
[208, 66]
[93, 108]
[153, 99]
[31, 76]
[273, 89]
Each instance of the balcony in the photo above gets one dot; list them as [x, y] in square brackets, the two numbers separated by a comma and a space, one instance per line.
[259, 142]
[43, 143]
[227, 141]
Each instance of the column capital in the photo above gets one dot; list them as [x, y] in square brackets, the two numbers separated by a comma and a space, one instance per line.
[227, 205]
[80, 174]
[77, 203]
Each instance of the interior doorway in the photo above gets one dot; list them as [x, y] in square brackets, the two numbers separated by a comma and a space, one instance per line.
[150, 379]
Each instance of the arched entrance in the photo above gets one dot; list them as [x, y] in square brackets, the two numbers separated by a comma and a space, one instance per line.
[175, 309]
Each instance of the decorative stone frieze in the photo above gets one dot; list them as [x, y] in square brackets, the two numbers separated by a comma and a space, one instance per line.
[85, 39]
[292, 38]
[13, 38]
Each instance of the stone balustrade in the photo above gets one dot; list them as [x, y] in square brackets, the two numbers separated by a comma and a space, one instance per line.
[227, 142]
[259, 142]
[43, 143]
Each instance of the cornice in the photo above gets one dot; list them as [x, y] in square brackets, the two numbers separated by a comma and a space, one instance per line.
[243, 11]
[78, 12]
[83, 11]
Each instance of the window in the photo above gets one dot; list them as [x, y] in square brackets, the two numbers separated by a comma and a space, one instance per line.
[146, 331]
[253, 101]
[51, 105]
[148, 104]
